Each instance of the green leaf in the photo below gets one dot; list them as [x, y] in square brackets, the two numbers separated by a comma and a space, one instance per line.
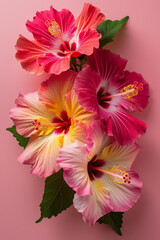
[58, 196]
[109, 29]
[21, 140]
[114, 219]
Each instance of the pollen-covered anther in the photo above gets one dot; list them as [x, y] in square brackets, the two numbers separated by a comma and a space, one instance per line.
[36, 124]
[131, 90]
[122, 177]
[53, 27]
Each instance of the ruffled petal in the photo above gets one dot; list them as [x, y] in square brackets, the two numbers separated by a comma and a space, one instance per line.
[42, 153]
[55, 64]
[73, 160]
[97, 138]
[87, 91]
[125, 128]
[50, 26]
[117, 155]
[93, 206]
[52, 92]
[28, 109]
[123, 196]
[90, 17]
[139, 101]
[86, 85]
[106, 64]
[28, 53]
[87, 41]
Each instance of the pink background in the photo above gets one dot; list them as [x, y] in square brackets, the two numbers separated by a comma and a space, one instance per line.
[21, 192]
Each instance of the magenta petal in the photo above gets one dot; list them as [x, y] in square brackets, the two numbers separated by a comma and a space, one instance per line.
[38, 27]
[106, 63]
[86, 85]
[124, 127]
[140, 101]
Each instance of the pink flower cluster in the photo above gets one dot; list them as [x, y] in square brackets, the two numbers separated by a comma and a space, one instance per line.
[81, 122]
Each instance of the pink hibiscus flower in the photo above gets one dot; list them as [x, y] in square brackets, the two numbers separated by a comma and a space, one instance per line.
[100, 174]
[58, 37]
[51, 117]
[106, 89]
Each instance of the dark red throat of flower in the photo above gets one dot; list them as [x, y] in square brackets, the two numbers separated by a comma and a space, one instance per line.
[93, 166]
[62, 125]
[103, 98]
[66, 47]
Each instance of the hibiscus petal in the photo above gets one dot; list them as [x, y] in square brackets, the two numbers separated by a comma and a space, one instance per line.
[42, 153]
[90, 17]
[140, 101]
[86, 85]
[123, 196]
[106, 64]
[55, 64]
[124, 127]
[64, 20]
[87, 92]
[73, 159]
[77, 131]
[75, 110]
[117, 155]
[28, 109]
[28, 53]
[97, 138]
[87, 41]
[93, 206]
[52, 92]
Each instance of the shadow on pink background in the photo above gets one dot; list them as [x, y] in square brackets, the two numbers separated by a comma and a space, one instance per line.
[21, 192]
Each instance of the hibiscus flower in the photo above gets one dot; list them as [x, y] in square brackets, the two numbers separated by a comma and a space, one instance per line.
[51, 117]
[106, 89]
[58, 37]
[100, 174]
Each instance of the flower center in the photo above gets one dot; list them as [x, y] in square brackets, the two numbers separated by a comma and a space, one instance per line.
[103, 98]
[57, 125]
[62, 125]
[55, 31]
[36, 124]
[95, 171]
[127, 92]
[93, 168]
[66, 47]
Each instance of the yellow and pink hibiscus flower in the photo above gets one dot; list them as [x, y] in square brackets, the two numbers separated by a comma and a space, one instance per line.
[58, 37]
[100, 174]
[104, 88]
[51, 117]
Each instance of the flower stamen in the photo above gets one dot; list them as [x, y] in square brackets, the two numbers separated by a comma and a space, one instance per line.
[119, 176]
[122, 177]
[127, 92]
[36, 124]
[131, 90]
[53, 27]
